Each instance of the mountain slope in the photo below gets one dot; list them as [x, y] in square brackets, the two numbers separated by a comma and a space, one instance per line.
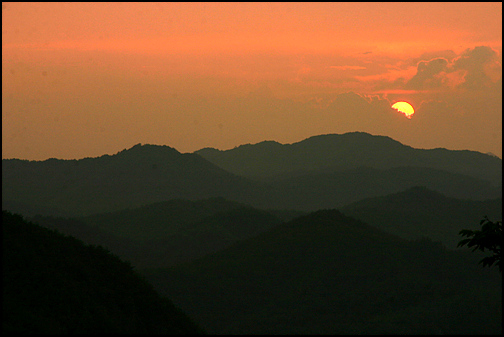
[419, 212]
[332, 152]
[133, 177]
[56, 284]
[326, 273]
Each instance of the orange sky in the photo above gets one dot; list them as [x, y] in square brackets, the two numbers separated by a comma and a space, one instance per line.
[85, 79]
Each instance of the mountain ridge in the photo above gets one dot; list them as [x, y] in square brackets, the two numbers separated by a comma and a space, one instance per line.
[132, 177]
[343, 151]
[310, 174]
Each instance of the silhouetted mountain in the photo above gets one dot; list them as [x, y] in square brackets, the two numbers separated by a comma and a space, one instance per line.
[54, 284]
[419, 212]
[133, 177]
[334, 152]
[320, 172]
[166, 233]
[326, 273]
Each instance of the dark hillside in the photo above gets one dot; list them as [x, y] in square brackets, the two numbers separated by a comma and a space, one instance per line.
[326, 273]
[56, 284]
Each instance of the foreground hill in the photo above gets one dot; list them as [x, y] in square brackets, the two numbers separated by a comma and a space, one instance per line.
[55, 284]
[166, 233]
[334, 152]
[326, 273]
[419, 212]
[133, 177]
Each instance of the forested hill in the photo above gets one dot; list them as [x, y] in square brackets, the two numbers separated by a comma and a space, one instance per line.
[346, 151]
[55, 284]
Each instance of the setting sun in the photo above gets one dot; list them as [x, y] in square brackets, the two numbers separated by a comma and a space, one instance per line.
[405, 108]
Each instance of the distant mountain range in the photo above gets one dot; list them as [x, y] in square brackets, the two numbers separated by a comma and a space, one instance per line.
[335, 152]
[320, 172]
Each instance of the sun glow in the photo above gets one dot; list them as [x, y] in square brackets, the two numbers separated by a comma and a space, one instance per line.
[404, 108]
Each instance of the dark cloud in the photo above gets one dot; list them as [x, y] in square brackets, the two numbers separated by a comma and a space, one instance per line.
[475, 68]
[480, 66]
[426, 76]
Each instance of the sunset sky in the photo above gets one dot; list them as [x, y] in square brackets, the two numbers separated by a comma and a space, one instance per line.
[87, 79]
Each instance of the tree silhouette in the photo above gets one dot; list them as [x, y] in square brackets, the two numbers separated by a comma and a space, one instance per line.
[489, 237]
